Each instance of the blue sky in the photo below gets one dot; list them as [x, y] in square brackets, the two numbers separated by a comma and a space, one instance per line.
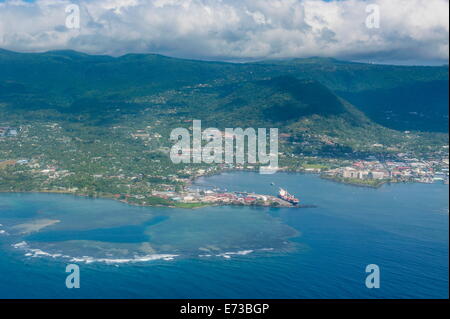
[409, 32]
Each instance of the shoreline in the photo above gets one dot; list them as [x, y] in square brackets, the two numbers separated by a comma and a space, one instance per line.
[354, 183]
[198, 205]
[182, 205]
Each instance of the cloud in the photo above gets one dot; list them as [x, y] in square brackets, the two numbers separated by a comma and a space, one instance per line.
[410, 30]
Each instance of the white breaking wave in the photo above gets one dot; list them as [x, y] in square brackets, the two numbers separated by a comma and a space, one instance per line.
[40, 253]
[3, 232]
[229, 254]
[33, 252]
[89, 260]
[22, 244]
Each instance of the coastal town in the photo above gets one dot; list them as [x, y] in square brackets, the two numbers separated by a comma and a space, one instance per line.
[150, 179]
[405, 169]
[371, 173]
[222, 197]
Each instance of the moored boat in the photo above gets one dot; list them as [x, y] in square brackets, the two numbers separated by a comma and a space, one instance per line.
[284, 195]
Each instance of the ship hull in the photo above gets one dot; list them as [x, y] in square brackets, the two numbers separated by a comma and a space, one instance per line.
[289, 200]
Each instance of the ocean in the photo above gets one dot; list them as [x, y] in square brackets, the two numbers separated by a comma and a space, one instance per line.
[231, 252]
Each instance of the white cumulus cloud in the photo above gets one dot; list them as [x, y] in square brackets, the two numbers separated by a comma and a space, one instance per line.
[413, 31]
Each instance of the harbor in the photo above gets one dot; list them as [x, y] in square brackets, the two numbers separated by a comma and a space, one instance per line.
[223, 197]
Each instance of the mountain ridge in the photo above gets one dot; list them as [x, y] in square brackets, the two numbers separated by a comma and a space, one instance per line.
[58, 79]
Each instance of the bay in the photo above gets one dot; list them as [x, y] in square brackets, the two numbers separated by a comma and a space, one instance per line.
[231, 252]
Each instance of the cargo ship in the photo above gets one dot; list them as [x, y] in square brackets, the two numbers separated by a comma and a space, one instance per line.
[284, 195]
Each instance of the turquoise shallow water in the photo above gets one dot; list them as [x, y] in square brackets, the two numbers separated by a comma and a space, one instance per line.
[231, 252]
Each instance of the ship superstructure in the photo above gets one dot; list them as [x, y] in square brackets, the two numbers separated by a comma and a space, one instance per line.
[284, 195]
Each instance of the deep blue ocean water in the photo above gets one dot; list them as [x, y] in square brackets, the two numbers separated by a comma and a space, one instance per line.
[317, 252]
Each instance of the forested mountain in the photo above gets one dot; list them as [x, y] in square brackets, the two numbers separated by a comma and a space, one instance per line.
[69, 83]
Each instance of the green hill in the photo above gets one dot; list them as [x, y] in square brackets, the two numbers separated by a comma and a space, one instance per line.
[71, 83]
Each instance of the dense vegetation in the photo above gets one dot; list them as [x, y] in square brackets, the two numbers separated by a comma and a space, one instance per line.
[72, 82]
[103, 123]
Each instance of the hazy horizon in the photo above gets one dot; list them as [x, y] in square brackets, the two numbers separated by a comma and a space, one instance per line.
[379, 31]
[393, 63]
